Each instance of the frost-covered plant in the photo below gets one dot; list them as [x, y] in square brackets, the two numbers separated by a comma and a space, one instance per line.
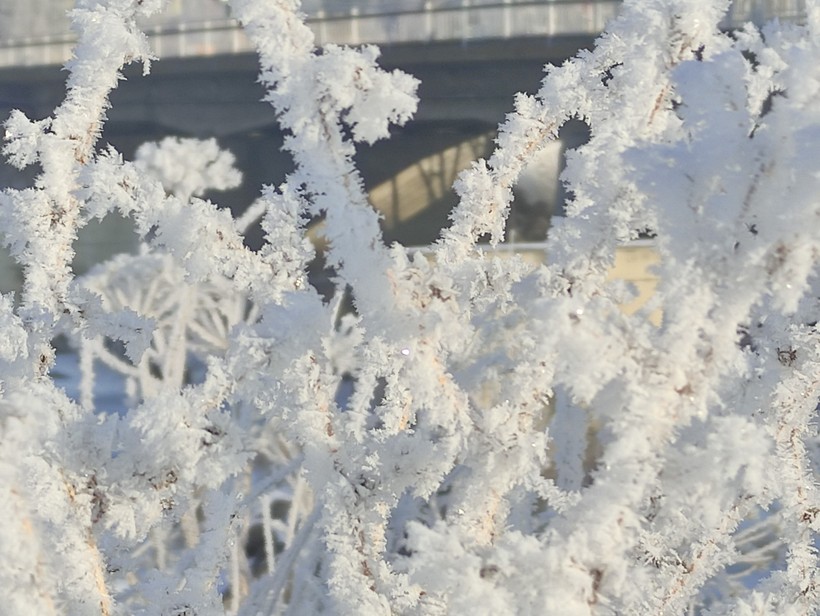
[513, 443]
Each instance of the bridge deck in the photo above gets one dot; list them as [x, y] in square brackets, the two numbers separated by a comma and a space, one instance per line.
[177, 33]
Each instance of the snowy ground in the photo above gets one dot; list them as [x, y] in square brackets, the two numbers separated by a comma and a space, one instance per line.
[109, 387]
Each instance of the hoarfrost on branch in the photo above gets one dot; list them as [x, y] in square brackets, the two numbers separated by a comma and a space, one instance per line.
[512, 443]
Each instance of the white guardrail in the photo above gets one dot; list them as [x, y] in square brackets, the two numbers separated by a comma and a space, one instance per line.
[388, 23]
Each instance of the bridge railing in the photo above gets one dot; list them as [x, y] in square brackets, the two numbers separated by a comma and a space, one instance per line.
[441, 20]
[469, 20]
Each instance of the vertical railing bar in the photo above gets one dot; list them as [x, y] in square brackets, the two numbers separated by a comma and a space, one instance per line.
[322, 19]
[507, 17]
[354, 25]
[181, 40]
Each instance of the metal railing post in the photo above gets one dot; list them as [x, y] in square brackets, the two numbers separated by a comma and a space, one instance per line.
[551, 19]
[465, 19]
[155, 40]
[181, 40]
[321, 19]
[507, 18]
[354, 25]
[235, 38]
[428, 20]
[208, 39]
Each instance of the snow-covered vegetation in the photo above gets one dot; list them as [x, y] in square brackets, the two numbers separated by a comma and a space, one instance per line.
[478, 436]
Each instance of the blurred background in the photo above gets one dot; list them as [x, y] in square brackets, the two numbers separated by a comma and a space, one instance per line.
[471, 56]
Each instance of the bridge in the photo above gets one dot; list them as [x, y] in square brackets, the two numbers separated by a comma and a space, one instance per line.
[192, 28]
[196, 28]
[205, 84]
